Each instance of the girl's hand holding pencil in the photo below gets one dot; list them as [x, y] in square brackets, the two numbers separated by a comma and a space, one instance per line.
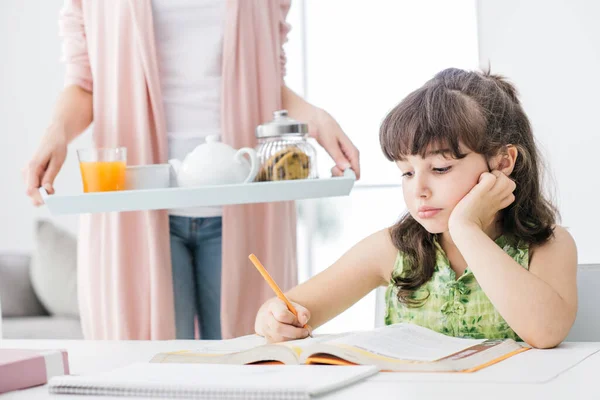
[279, 319]
[276, 322]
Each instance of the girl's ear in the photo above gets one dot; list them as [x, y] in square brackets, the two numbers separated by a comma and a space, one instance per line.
[505, 160]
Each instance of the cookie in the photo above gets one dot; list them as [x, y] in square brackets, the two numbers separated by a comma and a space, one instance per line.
[293, 165]
[287, 164]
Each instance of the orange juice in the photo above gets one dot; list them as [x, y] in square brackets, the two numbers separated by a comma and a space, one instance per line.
[102, 176]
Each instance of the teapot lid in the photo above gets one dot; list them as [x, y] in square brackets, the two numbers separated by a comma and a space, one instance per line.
[213, 139]
[281, 125]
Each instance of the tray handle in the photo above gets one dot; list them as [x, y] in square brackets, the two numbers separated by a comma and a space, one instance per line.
[349, 173]
[43, 193]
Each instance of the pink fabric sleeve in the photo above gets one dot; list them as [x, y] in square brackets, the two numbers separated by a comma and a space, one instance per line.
[284, 29]
[74, 45]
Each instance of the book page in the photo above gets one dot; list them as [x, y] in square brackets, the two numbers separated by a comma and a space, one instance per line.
[406, 342]
[299, 345]
[249, 342]
[228, 346]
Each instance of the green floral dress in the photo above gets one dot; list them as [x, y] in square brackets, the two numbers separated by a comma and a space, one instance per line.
[455, 307]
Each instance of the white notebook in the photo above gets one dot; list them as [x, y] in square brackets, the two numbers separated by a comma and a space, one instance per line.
[204, 381]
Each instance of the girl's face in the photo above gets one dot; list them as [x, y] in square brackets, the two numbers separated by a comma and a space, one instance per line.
[433, 186]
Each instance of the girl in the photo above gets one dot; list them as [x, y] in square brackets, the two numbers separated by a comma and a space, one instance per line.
[478, 254]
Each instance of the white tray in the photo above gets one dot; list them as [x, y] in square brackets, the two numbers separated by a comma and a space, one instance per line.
[141, 198]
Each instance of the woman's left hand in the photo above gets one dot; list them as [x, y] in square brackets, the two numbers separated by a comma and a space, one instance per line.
[479, 207]
[328, 133]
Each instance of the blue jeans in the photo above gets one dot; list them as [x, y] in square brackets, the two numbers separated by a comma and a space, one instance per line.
[196, 260]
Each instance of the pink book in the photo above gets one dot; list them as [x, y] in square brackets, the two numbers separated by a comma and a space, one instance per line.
[21, 369]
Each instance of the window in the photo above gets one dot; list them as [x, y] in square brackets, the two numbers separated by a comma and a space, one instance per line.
[357, 60]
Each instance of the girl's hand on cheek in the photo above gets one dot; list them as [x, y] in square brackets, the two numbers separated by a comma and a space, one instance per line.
[493, 192]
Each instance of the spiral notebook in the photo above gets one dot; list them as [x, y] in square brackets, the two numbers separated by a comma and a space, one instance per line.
[204, 381]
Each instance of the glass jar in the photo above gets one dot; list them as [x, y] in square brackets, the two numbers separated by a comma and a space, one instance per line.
[284, 152]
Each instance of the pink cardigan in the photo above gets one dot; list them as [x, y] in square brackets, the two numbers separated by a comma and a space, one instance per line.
[124, 267]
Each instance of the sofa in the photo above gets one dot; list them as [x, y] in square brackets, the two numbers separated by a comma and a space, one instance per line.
[38, 291]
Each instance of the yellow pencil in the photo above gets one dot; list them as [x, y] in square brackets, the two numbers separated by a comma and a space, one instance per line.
[273, 285]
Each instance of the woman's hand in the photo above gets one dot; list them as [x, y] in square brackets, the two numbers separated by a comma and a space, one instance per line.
[72, 115]
[325, 130]
[45, 164]
[328, 133]
[277, 324]
[479, 207]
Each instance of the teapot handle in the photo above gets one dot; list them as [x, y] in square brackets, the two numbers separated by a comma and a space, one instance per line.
[254, 165]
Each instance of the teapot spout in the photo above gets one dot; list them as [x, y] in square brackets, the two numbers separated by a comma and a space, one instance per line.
[176, 164]
[175, 167]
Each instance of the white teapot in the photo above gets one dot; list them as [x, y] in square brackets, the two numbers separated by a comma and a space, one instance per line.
[216, 163]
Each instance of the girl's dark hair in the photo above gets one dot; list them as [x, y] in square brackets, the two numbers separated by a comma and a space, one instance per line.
[481, 111]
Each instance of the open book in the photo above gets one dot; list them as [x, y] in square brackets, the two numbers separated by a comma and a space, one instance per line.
[399, 347]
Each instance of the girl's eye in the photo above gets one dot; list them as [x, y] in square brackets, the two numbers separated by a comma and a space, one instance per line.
[442, 170]
[407, 174]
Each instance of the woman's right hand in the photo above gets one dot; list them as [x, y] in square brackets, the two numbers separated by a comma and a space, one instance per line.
[45, 163]
[277, 324]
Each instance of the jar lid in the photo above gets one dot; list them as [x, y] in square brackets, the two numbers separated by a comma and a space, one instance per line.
[281, 125]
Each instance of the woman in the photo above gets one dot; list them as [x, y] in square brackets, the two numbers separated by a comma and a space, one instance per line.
[134, 68]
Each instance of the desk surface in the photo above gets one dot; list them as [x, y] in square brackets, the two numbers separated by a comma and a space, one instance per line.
[519, 377]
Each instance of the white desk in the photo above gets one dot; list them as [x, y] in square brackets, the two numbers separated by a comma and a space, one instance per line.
[580, 381]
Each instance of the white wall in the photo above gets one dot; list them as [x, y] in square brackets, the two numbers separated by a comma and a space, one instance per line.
[551, 50]
[31, 76]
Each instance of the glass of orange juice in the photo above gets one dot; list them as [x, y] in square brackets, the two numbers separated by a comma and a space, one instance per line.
[103, 169]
